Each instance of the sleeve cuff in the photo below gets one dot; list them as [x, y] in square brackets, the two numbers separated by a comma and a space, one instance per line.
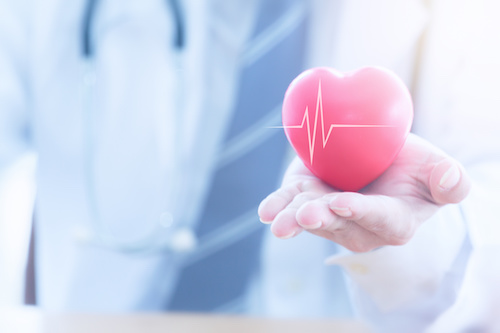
[394, 276]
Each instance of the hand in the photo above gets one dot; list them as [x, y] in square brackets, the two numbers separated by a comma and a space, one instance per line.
[386, 212]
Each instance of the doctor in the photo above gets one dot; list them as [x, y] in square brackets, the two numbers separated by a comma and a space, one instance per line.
[137, 112]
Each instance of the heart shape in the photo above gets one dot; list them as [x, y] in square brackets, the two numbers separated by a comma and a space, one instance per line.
[347, 128]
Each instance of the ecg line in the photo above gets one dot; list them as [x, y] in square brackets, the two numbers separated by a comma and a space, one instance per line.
[311, 136]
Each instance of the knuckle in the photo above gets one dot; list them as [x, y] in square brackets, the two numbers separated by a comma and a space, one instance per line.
[290, 191]
[342, 227]
[304, 196]
[285, 194]
[313, 184]
[307, 184]
[300, 199]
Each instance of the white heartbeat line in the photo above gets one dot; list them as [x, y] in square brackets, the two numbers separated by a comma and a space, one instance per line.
[311, 137]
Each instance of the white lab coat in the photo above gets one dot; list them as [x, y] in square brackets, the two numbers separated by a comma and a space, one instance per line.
[453, 74]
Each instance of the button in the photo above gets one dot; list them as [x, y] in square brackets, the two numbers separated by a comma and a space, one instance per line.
[183, 240]
[358, 269]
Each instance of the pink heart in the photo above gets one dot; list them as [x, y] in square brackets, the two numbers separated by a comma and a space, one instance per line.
[347, 128]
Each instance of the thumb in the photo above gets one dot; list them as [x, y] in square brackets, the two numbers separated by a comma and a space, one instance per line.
[448, 182]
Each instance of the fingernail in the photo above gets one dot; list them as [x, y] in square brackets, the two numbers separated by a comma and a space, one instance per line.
[450, 178]
[312, 226]
[265, 222]
[342, 211]
[290, 235]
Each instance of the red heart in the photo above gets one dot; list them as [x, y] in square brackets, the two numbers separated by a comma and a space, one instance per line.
[347, 128]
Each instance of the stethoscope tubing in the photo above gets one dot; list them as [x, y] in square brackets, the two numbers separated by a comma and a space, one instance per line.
[87, 41]
[166, 235]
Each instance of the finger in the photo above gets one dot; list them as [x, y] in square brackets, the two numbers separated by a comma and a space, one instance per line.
[448, 182]
[281, 198]
[392, 219]
[444, 177]
[317, 217]
[285, 223]
[277, 201]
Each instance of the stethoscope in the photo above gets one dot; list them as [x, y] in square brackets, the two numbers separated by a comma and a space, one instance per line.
[166, 235]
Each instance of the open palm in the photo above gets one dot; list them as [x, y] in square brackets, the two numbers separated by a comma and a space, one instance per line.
[386, 212]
